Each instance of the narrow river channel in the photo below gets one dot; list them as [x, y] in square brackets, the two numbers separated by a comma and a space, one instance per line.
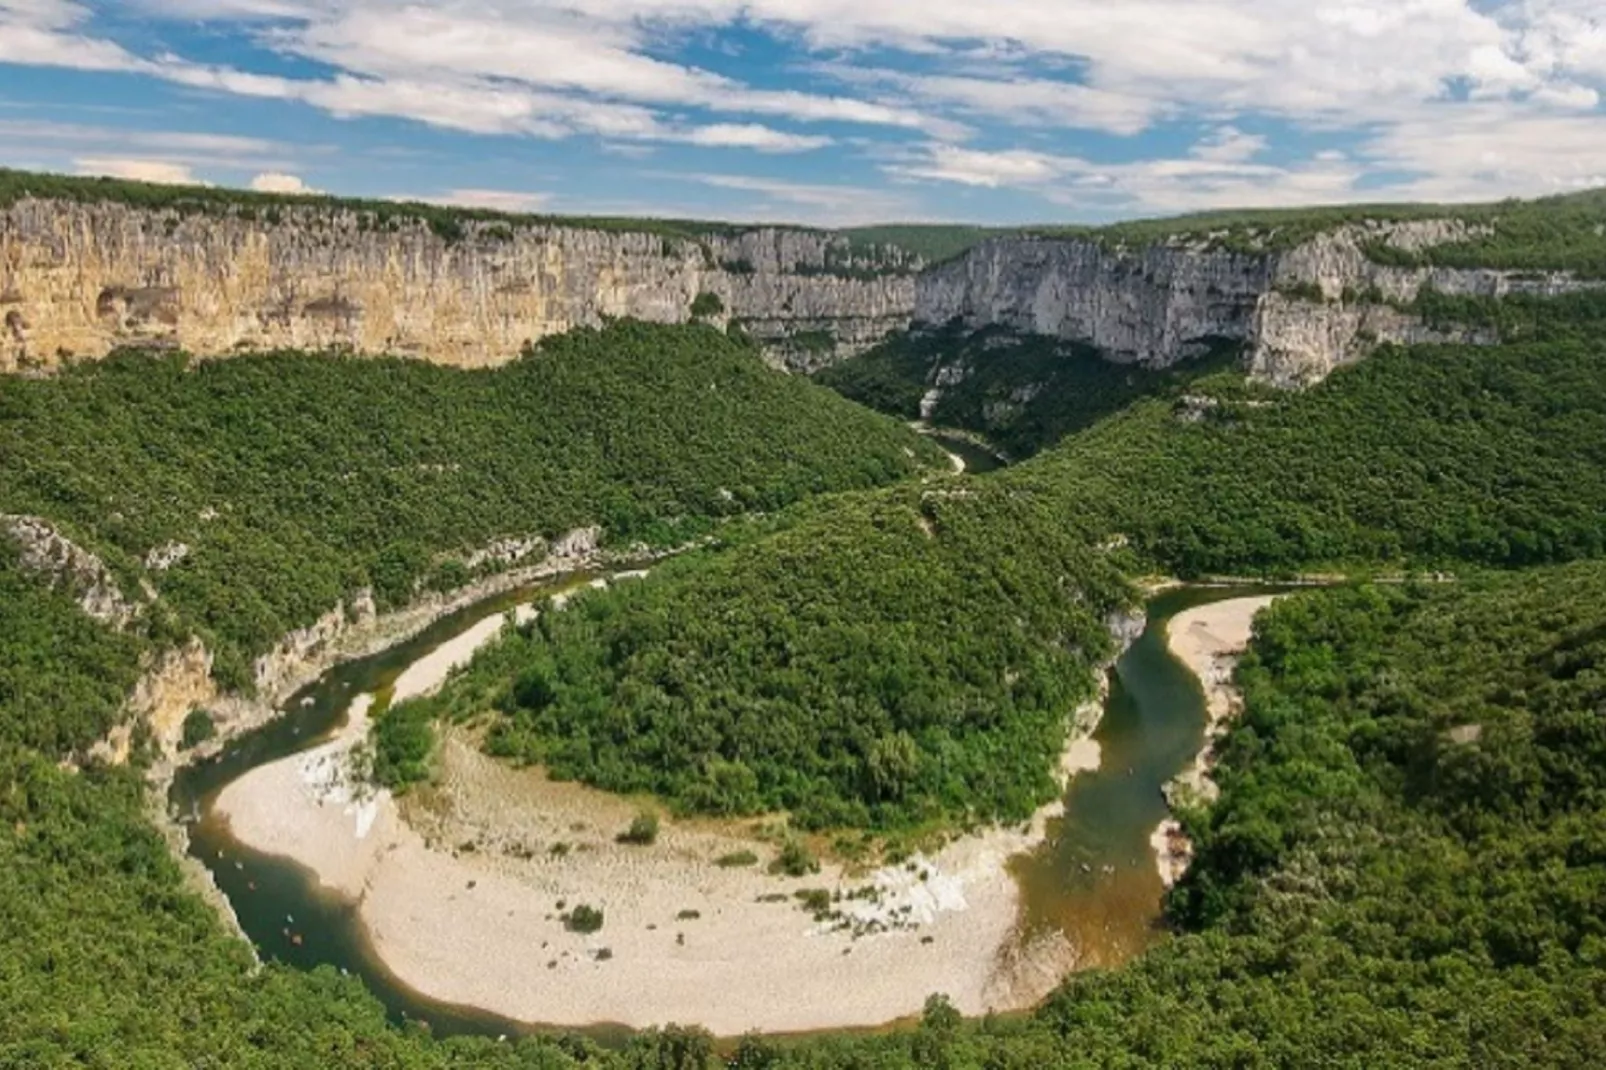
[1095, 878]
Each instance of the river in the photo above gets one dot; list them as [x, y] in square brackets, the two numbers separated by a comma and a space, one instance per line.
[977, 457]
[1095, 878]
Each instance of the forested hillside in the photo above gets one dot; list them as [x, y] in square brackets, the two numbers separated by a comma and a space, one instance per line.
[881, 661]
[1429, 457]
[63, 677]
[1022, 393]
[875, 642]
[1405, 869]
[294, 480]
[1561, 233]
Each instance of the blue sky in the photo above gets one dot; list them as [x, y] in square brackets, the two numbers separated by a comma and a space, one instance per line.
[818, 111]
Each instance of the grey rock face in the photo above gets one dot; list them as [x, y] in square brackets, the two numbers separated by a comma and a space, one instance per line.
[1301, 313]
[1153, 306]
[63, 563]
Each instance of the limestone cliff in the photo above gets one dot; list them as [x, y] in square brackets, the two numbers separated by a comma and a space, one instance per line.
[81, 278]
[1331, 304]
[1300, 312]
[63, 564]
[1154, 306]
[78, 280]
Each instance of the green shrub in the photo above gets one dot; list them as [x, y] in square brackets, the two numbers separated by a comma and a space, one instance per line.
[814, 900]
[706, 305]
[795, 860]
[403, 739]
[736, 860]
[583, 919]
[198, 728]
[643, 831]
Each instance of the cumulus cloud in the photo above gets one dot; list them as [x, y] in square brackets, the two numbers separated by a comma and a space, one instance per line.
[467, 65]
[1151, 186]
[280, 182]
[1228, 144]
[163, 171]
[762, 138]
[1456, 98]
[950, 163]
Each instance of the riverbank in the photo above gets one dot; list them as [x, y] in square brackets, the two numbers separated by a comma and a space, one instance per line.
[462, 888]
[345, 634]
[1208, 640]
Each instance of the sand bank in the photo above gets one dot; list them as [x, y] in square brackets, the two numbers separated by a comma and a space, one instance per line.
[1208, 640]
[429, 672]
[463, 899]
[462, 888]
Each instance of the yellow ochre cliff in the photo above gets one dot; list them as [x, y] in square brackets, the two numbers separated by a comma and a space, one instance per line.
[79, 280]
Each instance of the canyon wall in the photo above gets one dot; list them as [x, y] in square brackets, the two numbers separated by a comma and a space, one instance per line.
[78, 280]
[1155, 306]
[1300, 312]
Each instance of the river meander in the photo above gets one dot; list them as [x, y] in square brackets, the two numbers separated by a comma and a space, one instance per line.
[1095, 878]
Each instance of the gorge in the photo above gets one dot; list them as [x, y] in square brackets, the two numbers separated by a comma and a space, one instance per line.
[849, 658]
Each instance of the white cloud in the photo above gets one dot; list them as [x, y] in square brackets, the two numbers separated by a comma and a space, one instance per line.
[780, 201]
[160, 155]
[949, 163]
[1228, 144]
[1471, 152]
[1462, 97]
[1008, 98]
[1153, 186]
[478, 55]
[762, 138]
[162, 171]
[501, 200]
[280, 182]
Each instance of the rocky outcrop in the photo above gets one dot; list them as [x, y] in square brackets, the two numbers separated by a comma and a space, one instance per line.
[180, 680]
[1300, 312]
[1153, 306]
[78, 280]
[62, 563]
[1297, 342]
[1332, 304]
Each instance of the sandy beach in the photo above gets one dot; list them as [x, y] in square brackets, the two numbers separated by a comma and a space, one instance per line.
[463, 887]
[429, 672]
[1208, 640]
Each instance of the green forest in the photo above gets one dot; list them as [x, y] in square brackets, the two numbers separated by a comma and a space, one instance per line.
[1376, 886]
[909, 656]
[1021, 393]
[1406, 867]
[1560, 233]
[878, 662]
[1429, 457]
[294, 480]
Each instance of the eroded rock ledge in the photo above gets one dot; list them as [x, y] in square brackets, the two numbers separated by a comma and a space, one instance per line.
[1300, 312]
